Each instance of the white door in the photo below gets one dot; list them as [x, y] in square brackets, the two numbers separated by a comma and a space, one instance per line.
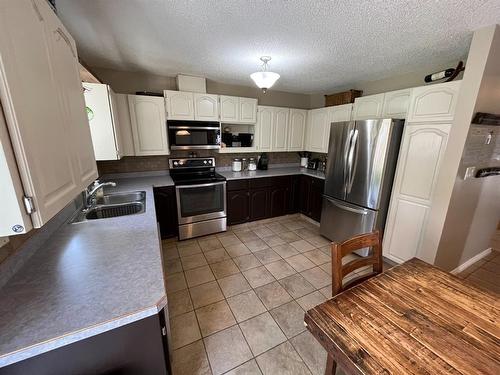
[434, 102]
[248, 110]
[229, 108]
[206, 107]
[368, 107]
[396, 104]
[100, 117]
[44, 139]
[296, 129]
[265, 119]
[340, 113]
[149, 129]
[280, 129]
[417, 171]
[180, 105]
[318, 130]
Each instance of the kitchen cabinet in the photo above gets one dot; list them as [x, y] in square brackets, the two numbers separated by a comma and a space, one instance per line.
[396, 104]
[180, 105]
[318, 130]
[102, 114]
[341, 113]
[297, 129]
[166, 211]
[125, 125]
[44, 109]
[259, 204]
[238, 206]
[149, 130]
[279, 196]
[280, 129]
[237, 110]
[434, 102]
[368, 107]
[264, 130]
[418, 168]
[206, 107]
[311, 196]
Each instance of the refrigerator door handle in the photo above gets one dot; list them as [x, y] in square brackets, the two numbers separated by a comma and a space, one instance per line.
[346, 208]
[350, 160]
[346, 159]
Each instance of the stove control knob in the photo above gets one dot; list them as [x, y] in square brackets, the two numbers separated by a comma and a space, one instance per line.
[210, 162]
[205, 162]
[176, 163]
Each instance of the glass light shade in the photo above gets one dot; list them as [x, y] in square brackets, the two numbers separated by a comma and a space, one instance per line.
[265, 80]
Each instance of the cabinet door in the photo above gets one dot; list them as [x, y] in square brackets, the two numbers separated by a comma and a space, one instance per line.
[248, 110]
[368, 107]
[229, 108]
[316, 198]
[278, 200]
[296, 129]
[98, 105]
[259, 204]
[180, 105]
[265, 128]
[304, 193]
[166, 211]
[238, 207]
[44, 139]
[340, 113]
[396, 104]
[149, 128]
[418, 168]
[434, 102]
[318, 130]
[280, 129]
[206, 107]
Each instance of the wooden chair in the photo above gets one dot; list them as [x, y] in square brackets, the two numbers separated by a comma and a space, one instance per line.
[340, 271]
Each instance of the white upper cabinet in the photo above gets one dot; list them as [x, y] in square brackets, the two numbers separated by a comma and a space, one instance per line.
[206, 107]
[396, 104]
[149, 129]
[434, 102]
[103, 121]
[180, 105]
[368, 107]
[44, 107]
[340, 113]
[229, 109]
[236, 110]
[318, 130]
[297, 129]
[265, 122]
[280, 129]
[248, 110]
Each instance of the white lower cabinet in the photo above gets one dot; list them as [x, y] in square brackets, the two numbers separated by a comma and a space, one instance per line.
[44, 111]
[318, 130]
[297, 129]
[419, 162]
[149, 129]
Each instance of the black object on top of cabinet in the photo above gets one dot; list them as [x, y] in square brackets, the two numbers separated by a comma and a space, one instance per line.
[166, 211]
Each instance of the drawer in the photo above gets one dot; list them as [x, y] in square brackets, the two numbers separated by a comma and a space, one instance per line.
[237, 185]
[261, 182]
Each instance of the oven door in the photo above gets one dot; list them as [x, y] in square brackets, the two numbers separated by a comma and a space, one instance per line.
[201, 202]
[183, 137]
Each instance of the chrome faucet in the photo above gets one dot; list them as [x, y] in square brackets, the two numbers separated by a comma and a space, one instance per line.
[90, 192]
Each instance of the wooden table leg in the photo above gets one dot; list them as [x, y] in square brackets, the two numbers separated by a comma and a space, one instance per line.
[331, 366]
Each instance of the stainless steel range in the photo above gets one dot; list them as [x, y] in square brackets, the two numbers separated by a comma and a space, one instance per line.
[201, 197]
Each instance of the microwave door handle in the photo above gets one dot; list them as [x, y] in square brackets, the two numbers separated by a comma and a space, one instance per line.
[352, 160]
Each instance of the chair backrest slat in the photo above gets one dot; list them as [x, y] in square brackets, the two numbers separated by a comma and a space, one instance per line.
[340, 250]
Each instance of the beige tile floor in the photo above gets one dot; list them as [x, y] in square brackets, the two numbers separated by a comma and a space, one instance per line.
[237, 299]
[485, 273]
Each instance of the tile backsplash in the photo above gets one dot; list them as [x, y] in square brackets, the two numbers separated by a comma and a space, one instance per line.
[158, 163]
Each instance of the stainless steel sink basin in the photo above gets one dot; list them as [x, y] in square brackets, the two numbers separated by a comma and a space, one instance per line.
[113, 205]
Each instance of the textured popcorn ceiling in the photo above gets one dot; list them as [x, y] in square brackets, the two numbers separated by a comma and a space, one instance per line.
[316, 45]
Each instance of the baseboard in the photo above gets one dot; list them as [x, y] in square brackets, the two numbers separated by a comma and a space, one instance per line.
[471, 261]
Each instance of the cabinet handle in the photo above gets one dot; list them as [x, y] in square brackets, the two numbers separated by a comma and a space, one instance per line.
[37, 11]
[66, 39]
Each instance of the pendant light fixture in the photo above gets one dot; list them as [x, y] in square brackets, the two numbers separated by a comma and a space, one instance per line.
[265, 79]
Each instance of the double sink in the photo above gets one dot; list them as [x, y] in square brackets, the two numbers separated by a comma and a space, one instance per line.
[113, 205]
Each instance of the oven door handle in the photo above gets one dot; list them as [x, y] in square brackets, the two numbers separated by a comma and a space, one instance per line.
[200, 185]
[194, 127]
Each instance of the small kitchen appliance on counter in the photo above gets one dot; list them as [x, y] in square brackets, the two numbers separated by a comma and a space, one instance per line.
[201, 197]
[313, 164]
[263, 162]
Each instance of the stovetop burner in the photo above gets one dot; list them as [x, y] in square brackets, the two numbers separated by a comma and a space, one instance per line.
[193, 171]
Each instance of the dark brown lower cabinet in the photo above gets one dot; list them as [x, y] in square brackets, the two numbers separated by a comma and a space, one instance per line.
[136, 348]
[166, 210]
[261, 198]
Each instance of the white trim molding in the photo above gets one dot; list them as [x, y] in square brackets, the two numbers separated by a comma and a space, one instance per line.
[471, 261]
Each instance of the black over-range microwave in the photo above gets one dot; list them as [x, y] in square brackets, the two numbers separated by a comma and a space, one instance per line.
[193, 135]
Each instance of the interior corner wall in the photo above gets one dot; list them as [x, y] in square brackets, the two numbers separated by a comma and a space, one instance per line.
[458, 206]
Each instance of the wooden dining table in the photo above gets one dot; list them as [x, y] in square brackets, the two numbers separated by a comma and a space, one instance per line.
[412, 319]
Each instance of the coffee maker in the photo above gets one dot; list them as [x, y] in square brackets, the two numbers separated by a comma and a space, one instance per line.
[263, 162]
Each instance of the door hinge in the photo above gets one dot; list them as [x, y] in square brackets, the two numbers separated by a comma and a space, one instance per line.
[29, 205]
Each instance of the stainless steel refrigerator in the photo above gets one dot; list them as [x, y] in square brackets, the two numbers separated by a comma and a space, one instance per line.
[360, 170]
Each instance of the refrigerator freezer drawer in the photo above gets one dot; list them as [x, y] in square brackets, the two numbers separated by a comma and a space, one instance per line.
[341, 221]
